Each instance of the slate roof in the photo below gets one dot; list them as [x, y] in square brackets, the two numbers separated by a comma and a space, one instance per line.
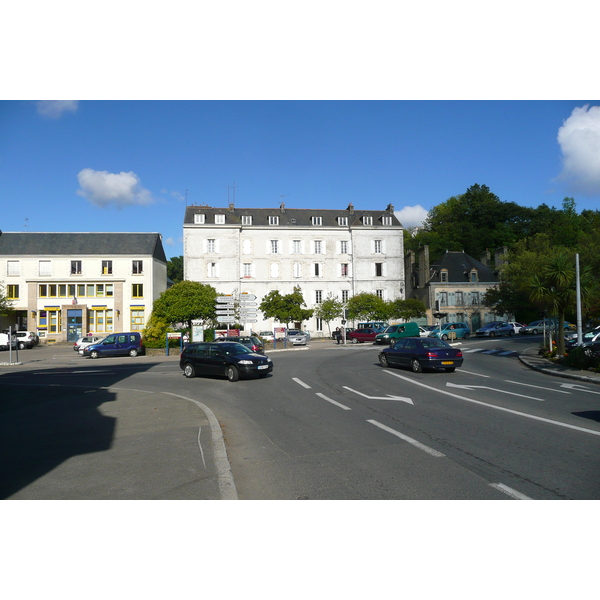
[457, 263]
[81, 244]
[289, 217]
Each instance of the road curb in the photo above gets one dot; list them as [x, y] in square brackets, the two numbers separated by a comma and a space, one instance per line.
[526, 360]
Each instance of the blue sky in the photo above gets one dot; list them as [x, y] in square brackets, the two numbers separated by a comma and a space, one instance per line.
[126, 165]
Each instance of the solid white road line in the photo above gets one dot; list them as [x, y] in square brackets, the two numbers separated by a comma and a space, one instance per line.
[416, 444]
[508, 410]
[471, 373]
[333, 401]
[509, 491]
[301, 383]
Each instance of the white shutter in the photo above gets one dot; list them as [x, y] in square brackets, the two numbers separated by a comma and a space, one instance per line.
[247, 247]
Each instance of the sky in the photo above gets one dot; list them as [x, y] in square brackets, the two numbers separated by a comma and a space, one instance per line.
[132, 165]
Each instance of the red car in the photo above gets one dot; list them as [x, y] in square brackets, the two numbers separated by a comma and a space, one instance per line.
[366, 334]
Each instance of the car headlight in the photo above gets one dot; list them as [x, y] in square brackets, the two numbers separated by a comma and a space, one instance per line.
[245, 362]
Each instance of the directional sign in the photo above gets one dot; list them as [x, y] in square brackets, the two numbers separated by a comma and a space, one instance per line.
[247, 314]
[388, 397]
[248, 304]
[224, 312]
[226, 319]
[225, 299]
[245, 297]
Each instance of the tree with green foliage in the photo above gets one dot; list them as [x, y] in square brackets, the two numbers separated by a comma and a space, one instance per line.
[330, 309]
[5, 303]
[285, 309]
[175, 269]
[366, 307]
[408, 309]
[186, 301]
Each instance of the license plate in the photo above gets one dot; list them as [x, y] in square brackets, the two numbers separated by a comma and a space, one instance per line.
[447, 362]
[263, 366]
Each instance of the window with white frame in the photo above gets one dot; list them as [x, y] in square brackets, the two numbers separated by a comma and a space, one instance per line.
[246, 219]
[13, 267]
[297, 269]
[199, 219]
[443, 298]
[137, 267]
[247, 270]
[342, 221]
[45, 267]
[379, 294]
[274, 270]
[366, 220]
[378, 269]
[273, 220]
[317, 247]
[386, 220]
[317, 270]
[75, 267]
[219, 219]
[211, 245]
[345, 295]
[318, 296]
[316, 220]
[377, 246]
[319, 324]
[344, 270]
[212, 269]
[343, 247]
[444, 276]
[296, 246]
[274, 246]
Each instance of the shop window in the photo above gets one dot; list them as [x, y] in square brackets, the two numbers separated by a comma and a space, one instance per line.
[137, 319]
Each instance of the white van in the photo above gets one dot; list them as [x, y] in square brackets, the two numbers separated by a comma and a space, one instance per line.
[4, 341]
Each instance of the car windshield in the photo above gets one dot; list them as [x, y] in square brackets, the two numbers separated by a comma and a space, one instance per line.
[233, 348]
[434, 343]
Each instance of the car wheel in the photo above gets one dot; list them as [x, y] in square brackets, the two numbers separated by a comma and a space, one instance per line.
[466, 336]
[534, 332]
[94, 354]
[383, 360]
[511, 333]
[416, 366]
[492, 334]
[354, 341]
[444, 337]
[189, 371]
[588, 352]
[232, 373]
[450, 369]
[21, 346]
[133, 352]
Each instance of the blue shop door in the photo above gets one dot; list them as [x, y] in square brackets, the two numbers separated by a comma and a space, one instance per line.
[74, 322]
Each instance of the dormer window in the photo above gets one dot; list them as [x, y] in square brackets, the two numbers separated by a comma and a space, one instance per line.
[367, 220]
[444, 276]
[246, 219]
[342, 221]
[386, 220]
[273, 220]
[473, 276]
[317, 220]
[219, 219]
[199, 219]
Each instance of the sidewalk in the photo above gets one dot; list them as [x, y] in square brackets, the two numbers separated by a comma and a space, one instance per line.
[531, 359]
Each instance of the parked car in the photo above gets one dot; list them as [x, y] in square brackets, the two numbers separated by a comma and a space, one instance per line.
[424, 331]
[268, 336]
[27, 339]
[379, 325]
[365, 334]
[85, 341]
[516, 326]
[251, 341]
[422, 353]
[297, 337]
[588, 337]
[117, 344]
[495, 328]
[396, 332]
[460, 331]
[540, 325]
[5, 340]
[226, 359]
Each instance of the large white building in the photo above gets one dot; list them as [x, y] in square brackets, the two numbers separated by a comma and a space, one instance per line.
[257, 250]
[64, 285]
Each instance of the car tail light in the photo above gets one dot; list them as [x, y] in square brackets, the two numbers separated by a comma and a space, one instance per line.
[255, 348]
[459, 354]
[432, 355]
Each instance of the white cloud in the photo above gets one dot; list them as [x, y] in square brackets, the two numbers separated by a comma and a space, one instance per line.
[121, 189]
[54, 109]
[411, 216]
[169, 241]
[579, 139]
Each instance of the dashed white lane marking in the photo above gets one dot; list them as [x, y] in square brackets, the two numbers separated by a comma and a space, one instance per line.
[333, 401]
[299, 381]
[410, 440]
[537, 386]
[471, 373]
[509, 491]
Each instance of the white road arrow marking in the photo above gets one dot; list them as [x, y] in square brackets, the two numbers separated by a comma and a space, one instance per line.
[485, 387]
[577, 387]
[536, 386]
[388, 397]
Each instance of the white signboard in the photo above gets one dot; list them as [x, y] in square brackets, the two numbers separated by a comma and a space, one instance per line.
[226, 319]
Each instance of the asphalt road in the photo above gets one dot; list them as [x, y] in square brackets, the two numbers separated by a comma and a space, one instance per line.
[330, 423]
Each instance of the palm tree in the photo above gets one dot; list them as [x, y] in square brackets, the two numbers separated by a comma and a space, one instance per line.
[555, 288]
